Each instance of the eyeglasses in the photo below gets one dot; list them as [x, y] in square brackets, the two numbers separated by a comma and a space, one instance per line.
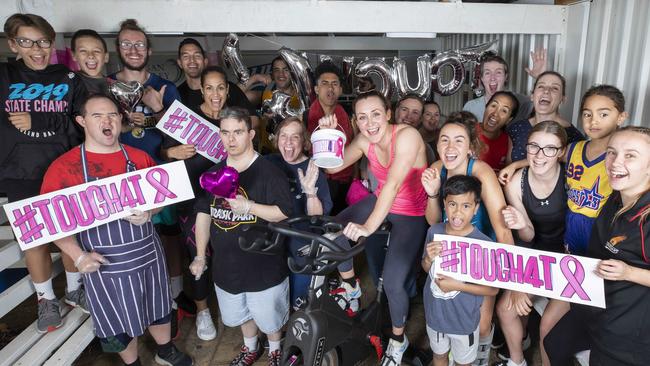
[548, 151]
[127, 45]
[29, 43]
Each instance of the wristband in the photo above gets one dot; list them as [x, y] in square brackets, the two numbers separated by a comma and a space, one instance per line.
[311, 195]
[160, 111]
[434, 196]
[199, 257]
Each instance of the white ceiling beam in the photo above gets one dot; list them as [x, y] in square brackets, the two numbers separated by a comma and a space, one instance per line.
[302, 16]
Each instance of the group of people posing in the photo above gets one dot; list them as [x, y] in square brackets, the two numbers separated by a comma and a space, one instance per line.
[509, 169]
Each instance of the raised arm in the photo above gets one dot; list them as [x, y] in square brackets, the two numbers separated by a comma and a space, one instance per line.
[515, 215]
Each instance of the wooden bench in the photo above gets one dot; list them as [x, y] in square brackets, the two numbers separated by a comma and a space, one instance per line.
[29, 348]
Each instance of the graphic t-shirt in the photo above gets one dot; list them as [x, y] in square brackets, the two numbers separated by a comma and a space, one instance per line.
[453, 312]
[52, 97]
[67, 171]
[233, 269]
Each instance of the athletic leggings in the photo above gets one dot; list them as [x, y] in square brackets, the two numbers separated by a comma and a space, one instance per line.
[406, 241]
[201, 287]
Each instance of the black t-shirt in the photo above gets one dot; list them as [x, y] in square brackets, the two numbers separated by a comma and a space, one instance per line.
[94, 85]
[233, 269]
[236, 97]
[622, 330]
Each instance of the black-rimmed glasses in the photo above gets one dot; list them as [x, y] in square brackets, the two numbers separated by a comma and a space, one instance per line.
[548, 151]
[29, 43]
[127, 45]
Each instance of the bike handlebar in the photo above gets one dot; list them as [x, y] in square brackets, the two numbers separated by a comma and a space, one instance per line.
[317, 262]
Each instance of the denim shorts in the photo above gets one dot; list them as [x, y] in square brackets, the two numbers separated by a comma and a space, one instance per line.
[268, 308]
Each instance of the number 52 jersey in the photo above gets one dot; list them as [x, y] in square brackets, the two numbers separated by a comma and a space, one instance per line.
[51, 97]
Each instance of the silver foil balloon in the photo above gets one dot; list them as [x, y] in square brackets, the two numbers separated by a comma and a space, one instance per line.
[423, 88]
[300, 74]
[475, 78]
[324, 58]
[232, 58]
[474, 53]
[127, 95]
[380, 68]
[280, 105]
[447, 59]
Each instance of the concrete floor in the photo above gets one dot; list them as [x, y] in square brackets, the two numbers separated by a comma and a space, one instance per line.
[226, 346]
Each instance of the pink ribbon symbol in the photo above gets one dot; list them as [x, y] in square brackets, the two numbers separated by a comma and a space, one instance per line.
[575, 278]
[339, 148]
[160, 184]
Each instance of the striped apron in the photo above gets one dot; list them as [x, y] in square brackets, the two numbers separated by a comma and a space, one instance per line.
[132, 291]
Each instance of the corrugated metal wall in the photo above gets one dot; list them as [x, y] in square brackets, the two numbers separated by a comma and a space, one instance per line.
[617, 52]
[613, 48]
[514, 48]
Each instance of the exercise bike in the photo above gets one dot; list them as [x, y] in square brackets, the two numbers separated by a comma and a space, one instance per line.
[321, 332]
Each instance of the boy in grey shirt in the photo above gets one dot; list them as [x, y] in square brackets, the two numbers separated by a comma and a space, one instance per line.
[452, 307]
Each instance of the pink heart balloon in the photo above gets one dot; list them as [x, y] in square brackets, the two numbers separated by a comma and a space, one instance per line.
[222, 183]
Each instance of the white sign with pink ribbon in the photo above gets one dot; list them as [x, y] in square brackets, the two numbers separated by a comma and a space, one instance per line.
[187, 127]
[55, 215]
[555, 275]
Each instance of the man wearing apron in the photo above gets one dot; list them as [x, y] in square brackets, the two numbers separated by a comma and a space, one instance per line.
[122, 262]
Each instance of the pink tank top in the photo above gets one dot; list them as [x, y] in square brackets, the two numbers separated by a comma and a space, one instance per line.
[411, 197]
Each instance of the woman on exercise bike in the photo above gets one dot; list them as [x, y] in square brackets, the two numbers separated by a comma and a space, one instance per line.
[397, 157]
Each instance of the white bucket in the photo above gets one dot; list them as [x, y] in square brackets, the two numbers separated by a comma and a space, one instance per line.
[327, 146]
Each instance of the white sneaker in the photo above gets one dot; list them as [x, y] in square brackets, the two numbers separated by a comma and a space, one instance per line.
[394, 352]
[348, 297]
[205, 329]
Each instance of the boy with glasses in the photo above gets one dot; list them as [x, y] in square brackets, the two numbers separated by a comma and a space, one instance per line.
[36, 126]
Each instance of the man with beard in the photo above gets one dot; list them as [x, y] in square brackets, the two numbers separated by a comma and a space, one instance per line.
[193, 60]
[134, 49]
[328, 89]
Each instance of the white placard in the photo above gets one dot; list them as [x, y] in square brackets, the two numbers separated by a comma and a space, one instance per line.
[55, 215]
[187, 127]
[555, 275]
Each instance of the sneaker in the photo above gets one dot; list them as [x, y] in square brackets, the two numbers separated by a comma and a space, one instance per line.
[509, 362]
[504, 353]
[347, 297]
[186, 304]
[49, 316]
[174, 358]
[205, 329]
[246, 357]
[275, 358]
[394, 352]
[77, 299]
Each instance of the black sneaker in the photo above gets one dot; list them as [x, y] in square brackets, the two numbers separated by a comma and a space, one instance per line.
[174, 358]
[504, 353]
[505, 363]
